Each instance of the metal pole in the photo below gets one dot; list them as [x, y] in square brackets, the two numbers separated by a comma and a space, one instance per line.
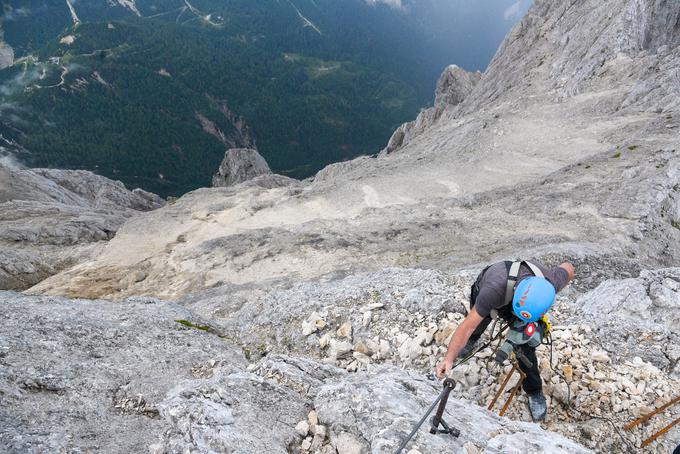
[661, 432]
[649, 416]
[422, 420]
[449, 384]
[513, 393]
[502, 388]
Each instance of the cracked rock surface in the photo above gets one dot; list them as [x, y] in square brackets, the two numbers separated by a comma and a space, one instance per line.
[147, 375]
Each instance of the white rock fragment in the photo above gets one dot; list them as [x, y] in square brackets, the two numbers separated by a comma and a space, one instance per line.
[366, 319]
[346, 443]
[345, 330]
[410, 350]
[312, 419]
[302, 428]
[362, 358]
[339, 349]
[313, 323]
[325, 340]
[600, 357]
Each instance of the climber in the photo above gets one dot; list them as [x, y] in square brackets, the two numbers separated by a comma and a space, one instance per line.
[510, 290]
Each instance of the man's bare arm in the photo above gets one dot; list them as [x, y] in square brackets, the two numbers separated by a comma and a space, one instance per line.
[458, 340]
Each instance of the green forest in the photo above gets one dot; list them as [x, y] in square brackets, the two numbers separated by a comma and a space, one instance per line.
[126, 93]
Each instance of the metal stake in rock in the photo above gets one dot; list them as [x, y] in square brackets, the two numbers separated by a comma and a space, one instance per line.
[515, 367]
[437, 420]
[443, 397]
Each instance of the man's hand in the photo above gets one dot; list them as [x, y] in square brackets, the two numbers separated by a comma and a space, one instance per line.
[444, 368]
[569, 268]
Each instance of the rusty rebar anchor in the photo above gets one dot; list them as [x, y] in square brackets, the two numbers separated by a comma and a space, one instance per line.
[513, 393]
[437, 419]
[644, 419]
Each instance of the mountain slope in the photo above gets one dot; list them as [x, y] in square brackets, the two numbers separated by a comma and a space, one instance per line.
[51, 219]
[458, 192]
[565, 149]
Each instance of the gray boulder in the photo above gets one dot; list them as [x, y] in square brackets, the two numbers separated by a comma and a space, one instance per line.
[239, 165]
[386, 403]
[638, 317]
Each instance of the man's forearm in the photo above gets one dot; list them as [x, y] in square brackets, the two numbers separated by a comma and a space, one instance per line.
[457, 342]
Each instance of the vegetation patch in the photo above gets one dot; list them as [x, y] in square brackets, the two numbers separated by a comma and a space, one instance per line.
[188, 324]
[632, 147]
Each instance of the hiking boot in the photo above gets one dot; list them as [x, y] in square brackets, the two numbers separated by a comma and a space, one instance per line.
[471, 345]
[537, 405]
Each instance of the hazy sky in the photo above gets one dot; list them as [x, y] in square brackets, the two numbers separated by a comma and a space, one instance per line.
[472, 30]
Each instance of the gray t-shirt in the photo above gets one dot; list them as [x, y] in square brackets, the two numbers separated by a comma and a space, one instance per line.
[493, 284]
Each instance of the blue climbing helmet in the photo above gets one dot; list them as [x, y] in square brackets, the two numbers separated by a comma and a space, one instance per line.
[534, 296]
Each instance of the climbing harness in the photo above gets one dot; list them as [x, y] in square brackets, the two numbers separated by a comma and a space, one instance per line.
[522, 333]
[448, 385]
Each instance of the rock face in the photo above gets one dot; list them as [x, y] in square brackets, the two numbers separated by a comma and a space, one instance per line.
[239, 165]
[453, 86]
[638, 317]
[50, 219]
[92, 374]
[146, 375]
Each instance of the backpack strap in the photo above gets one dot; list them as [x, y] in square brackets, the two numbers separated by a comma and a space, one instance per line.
[534, 269]
[513, 274]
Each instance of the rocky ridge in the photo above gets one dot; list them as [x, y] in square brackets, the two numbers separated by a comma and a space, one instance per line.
[453, 86]
[51, 219]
